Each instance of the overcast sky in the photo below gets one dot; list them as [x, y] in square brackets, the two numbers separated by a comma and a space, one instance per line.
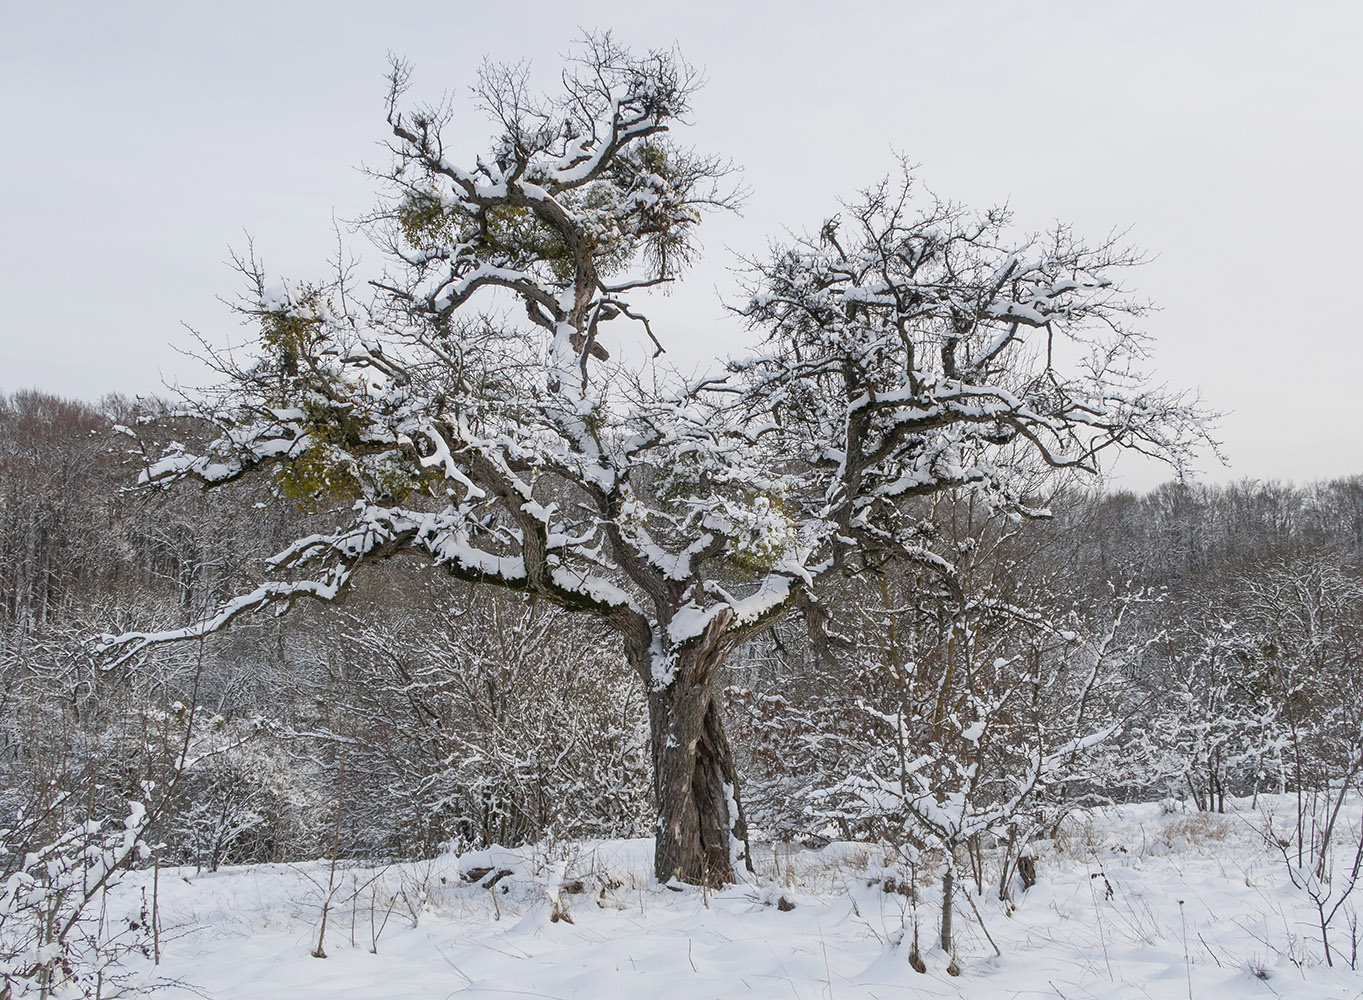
[141, 141]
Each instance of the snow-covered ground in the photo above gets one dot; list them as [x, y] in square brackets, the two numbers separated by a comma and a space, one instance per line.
[1136, 902]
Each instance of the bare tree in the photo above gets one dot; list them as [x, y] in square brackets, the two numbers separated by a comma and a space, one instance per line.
[910, 354]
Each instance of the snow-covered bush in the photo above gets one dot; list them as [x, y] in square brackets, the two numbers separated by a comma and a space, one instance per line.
[517, 724]
[961, 721]
[1246, 687]
[255, 801]
[62, 926]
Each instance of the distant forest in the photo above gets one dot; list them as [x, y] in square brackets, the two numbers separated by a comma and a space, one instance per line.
[1197, 641]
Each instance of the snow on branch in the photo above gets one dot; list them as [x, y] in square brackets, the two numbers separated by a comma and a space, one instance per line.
[910, 351]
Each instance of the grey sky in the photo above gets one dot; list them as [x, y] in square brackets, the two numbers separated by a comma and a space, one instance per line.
[142, 140]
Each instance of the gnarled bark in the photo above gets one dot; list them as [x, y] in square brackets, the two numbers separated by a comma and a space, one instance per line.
[701, 834]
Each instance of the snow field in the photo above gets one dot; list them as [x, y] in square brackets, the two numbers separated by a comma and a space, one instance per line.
[1132, 902]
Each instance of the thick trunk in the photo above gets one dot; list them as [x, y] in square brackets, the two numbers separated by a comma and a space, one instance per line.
[701, 834]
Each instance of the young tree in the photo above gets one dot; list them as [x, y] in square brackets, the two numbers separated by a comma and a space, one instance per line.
[914, 354]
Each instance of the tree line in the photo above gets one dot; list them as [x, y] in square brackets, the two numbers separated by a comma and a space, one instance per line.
[1212, 630]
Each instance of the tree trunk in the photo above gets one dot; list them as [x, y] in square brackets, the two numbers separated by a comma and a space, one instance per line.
[701, 833]
[948, 884]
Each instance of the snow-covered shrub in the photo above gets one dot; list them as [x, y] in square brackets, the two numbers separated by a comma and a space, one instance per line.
[963, 718]
[252, 802]
[1246, 689]
[518, 724]
[61, 923]
[797, 726]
